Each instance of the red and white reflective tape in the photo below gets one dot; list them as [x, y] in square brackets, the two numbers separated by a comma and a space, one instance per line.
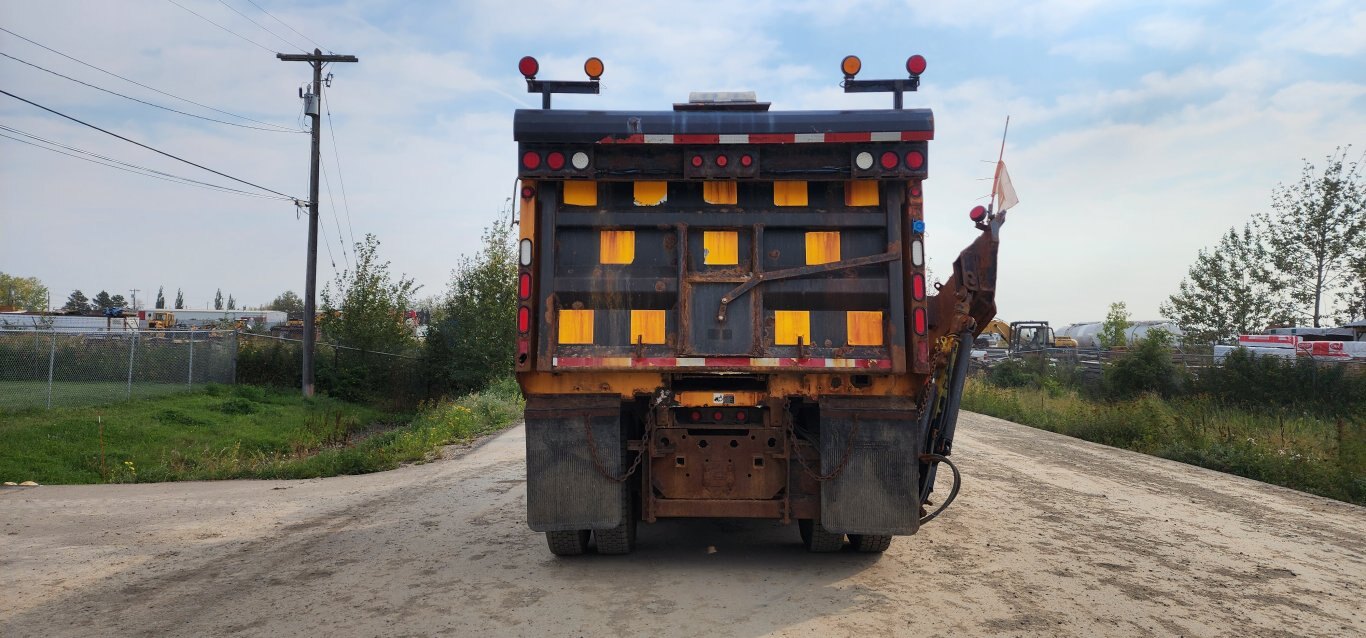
[719, 362]
[773, 138]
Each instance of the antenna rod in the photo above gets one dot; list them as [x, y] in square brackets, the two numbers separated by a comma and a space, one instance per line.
[996, 178]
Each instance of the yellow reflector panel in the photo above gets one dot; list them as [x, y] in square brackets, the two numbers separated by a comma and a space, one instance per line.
[651, 193]
[576, 326]
[581, 193]
[720, 247]
[822, 247]
[860, 192]
[719, 192]
[617, 246]
[790, 324]
[647, 326]
[789, 193]
[865, 327]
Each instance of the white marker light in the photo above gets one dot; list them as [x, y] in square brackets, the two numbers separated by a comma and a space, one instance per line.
[864, 160]
[579, 160]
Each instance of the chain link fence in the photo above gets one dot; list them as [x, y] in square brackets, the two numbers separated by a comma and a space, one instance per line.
[393, 379]
[40, 368]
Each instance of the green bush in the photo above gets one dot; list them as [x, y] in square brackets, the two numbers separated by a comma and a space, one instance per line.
[1147, 368]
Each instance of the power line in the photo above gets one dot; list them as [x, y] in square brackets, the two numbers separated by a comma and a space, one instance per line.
[340, 180]
[263, 28]
[164, 108]
[111, 73]
[310, 40]
[174, 179]
[262, 46]
[332, 203]
[179, 159]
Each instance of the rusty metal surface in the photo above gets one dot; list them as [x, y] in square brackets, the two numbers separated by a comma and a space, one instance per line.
[718, 463]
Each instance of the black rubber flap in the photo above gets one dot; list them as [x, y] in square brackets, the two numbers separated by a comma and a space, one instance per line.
[565, 489]
[875, 492]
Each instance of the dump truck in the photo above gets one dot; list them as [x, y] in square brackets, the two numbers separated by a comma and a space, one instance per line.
[723, 312]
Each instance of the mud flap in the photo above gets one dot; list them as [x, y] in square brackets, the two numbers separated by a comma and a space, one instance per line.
[565, 489]
[875, 492]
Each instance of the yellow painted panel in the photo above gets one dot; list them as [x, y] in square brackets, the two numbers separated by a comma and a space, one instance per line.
[616, 246]
[647, 326]
[789, 193]
[822, 247]
[720, 247]
[865, 327]
[790, 324]
[860, 192]
[576, 326]
[578, 193]
[526, 218]
[651, 193]
[719, 192]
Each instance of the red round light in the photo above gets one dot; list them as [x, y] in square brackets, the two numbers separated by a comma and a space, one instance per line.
[528, 192]
[740, 416]
[915, 64]
[697, 161]
[696, 416]
[914, 159]
[717, 416]
[890, 160]
[528, 66]
[915, 191]
[523, 319]
[746, 160]
[917, 286]
[524, 286]
[978, 213]
[722, 160]
[531, 160]
[555, 160]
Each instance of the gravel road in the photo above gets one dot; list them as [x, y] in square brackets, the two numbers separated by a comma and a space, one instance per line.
[1051, 536]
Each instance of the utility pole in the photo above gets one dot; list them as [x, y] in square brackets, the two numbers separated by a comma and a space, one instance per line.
[316, 60]
[135, 297]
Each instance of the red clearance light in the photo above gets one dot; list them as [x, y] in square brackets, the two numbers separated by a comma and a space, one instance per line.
[890, 160]
[528, 67]
[722, 160]
[922, 352]
[523, 319]
[592, 67]
[740, 416]
[746, 160]
[915, 64]
[531, 160]
[524, 286]
[697, 161]
[915, 191]
[921, 324]
[555, 160]
[914, 159]
[718, 416]
[696, 415]
[978, 213]
[528, 192]
[917, 286]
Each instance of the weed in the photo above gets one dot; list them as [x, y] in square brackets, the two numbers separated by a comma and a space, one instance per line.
[239, 405]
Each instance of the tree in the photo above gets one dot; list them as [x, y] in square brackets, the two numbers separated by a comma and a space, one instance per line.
[102, 302]
[1228, 291]
[1353, 299]
[1112, 331]
[161, 298]
[288, 302]
[117, 301]
[179, 299]
[474, 341]
[76, 303]
[1316, 228]
[22, 293]
[365, 308]
[1147, 368]
[232, 303]
[218, 300]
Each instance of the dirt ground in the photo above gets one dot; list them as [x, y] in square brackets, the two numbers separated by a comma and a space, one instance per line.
[1051, 536]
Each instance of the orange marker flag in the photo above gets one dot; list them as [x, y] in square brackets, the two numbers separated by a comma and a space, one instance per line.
[1005, 191]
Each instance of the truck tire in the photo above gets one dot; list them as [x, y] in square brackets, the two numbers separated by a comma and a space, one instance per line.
[817, 539]
[571, 542]
[622, 538]
[870, 543]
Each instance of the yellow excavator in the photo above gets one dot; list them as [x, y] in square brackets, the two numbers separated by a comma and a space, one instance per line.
[1022, 336]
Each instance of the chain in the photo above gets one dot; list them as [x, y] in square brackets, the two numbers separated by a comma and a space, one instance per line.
[640, 454]
[844, 458]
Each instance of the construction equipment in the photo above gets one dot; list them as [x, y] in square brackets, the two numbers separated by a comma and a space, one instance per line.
[160, 320]
[723, 312]
[1027, 336]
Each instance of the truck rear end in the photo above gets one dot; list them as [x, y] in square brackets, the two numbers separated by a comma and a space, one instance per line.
[724, 312]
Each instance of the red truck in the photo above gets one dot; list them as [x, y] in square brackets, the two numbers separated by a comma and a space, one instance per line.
[724, 312]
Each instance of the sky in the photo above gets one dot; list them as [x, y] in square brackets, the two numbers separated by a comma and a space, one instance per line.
[1139, 131]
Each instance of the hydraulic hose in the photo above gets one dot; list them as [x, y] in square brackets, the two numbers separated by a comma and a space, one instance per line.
[953, 493]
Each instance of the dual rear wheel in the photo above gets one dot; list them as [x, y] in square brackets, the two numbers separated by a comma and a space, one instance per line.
[817, 539]
[613, 542]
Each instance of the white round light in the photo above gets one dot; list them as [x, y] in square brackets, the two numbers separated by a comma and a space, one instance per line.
[864, 160]
[579, 160]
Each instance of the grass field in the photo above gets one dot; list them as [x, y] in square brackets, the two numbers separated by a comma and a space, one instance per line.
[34, 394]
[221, 432]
